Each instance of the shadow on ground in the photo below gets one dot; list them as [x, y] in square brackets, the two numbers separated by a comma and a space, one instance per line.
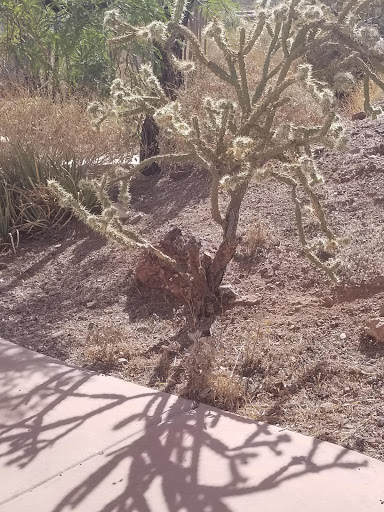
[165, 199]
[167, 452]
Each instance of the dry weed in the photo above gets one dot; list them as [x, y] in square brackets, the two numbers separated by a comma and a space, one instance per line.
[168, 355]
[58, 129]
[228, 391]
[255, 240]
[355, 101]
[200, 365]
[250, 360]
[106, 347]
[210, 384]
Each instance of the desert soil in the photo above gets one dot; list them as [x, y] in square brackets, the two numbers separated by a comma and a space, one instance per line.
[297, 351]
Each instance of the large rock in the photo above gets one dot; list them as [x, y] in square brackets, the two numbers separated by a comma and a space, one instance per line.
[375, 328]
[186, 280]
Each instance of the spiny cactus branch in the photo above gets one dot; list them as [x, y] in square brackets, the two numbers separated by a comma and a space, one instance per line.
[199, 53]
[108, 224]
[215, 208]
[330, 270]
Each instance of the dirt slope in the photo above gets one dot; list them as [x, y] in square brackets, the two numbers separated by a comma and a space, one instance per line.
[313, 369]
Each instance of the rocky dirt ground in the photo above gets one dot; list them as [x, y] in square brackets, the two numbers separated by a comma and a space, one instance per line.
[294, 352]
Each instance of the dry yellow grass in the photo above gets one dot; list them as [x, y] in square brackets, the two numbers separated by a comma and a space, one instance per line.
[58, 129]
[255, 239]
[106, 347]
[228, 391]
[355, 101]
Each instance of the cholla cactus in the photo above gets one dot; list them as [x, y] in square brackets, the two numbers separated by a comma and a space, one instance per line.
[239, 139]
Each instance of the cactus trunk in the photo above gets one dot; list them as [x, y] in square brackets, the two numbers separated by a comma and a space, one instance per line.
[227, 249]
[149, 145]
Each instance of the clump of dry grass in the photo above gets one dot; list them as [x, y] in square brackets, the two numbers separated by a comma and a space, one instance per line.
[228, 390]
[200, 365]
[106, 347]
[58, 129]
[250, 360]
[168, 354]
[210, 383]
[355, 100]
[255, 240]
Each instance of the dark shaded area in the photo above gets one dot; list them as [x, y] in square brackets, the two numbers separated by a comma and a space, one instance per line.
[149, 145]
[371, 348]
[166, 198]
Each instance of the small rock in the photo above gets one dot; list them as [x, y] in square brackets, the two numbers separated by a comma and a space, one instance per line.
[380, 421]
[57, 334]
[328, 302]
[343, 336]
[122, 360]
[91, 304]
[382, 310]
[360, 168]
[318, 151]
[355, 151]
[327, 406]
[375, 329]
[3, 266]
[227, 291]
[247, 301]
[359, 116]
[136, 218]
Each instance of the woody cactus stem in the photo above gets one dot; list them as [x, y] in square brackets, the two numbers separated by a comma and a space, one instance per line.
[241, 138]
[227, 249]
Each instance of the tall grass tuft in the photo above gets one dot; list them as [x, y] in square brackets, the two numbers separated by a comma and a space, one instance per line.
[26, 203]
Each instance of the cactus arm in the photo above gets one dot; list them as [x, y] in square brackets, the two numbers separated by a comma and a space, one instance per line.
[264, 79]
[255, 34]
[318, 210]
[271, 98]
[215, 208]
[246, 101]
[198, 52]
[330, 270]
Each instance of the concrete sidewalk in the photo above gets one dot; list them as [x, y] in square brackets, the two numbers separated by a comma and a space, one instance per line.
[71, 440]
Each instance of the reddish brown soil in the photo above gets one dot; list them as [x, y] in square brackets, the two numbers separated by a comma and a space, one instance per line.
[313, 369]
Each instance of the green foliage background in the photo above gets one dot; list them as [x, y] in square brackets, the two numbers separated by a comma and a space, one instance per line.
[64, 40]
